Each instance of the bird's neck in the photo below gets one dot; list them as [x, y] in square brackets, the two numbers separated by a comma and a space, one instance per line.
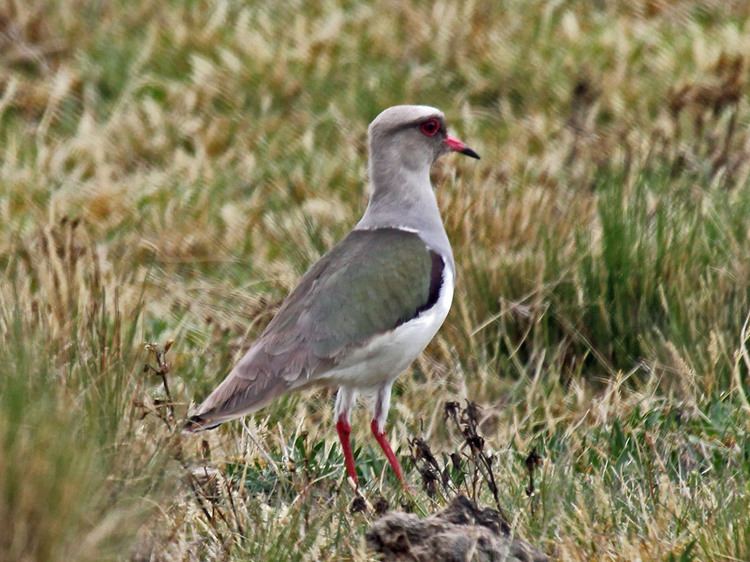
[402, 197]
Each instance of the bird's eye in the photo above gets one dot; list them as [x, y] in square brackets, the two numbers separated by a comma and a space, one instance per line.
[430, 127]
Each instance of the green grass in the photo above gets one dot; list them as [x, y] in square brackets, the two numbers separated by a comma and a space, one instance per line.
[169, 170]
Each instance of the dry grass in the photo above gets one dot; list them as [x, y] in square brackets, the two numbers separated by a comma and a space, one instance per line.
[169, 170]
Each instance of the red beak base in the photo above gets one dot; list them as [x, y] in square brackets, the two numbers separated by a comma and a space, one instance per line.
[458, 146]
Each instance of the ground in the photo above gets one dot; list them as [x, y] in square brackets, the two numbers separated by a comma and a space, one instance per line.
[168, 170]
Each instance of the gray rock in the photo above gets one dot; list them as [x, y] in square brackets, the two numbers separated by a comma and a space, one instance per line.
[462, 532]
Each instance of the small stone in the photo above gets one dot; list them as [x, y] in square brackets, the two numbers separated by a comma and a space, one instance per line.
[381, 506]
[359, 505]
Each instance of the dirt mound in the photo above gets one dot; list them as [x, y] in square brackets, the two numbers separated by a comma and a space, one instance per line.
[461, 532]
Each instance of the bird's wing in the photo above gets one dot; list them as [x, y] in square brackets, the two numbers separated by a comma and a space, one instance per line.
[367, 285]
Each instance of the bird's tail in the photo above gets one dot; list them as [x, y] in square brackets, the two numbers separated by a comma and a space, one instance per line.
[198, 423]
[246, 389]
[229, 401]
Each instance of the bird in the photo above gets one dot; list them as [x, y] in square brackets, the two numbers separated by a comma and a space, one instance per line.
[363, 312]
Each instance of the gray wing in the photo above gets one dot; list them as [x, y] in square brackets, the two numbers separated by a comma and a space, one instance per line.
[368, 284]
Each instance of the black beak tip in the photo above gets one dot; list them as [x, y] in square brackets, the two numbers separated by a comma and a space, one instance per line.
[470, 152]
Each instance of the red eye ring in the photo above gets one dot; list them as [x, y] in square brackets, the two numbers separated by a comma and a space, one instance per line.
[430, 127]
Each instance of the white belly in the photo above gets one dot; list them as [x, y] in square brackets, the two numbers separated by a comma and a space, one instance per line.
[386, 356]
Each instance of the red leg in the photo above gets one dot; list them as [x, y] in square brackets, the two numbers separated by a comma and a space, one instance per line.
[344, 430]
[383, 442]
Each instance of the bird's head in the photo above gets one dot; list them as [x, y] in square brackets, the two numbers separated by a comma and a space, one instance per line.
[412, 135]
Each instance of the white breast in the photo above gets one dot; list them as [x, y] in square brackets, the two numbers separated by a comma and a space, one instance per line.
[387, 355]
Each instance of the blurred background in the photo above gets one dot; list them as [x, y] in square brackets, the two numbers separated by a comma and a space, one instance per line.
[168, 170]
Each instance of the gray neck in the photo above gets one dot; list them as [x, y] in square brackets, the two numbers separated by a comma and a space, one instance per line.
[402, 197]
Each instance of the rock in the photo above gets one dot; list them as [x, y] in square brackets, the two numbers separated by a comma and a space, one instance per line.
[460, 533]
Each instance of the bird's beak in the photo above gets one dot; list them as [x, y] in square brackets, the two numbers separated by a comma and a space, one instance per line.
[458, 146]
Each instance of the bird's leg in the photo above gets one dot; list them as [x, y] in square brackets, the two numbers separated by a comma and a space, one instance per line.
[382, 404]
[344, 430]
[344, 401]
[386, 446]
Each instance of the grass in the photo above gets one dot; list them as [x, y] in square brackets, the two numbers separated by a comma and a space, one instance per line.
[168, 170]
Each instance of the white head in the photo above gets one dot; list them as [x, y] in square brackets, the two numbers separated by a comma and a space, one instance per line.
[413, 136]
